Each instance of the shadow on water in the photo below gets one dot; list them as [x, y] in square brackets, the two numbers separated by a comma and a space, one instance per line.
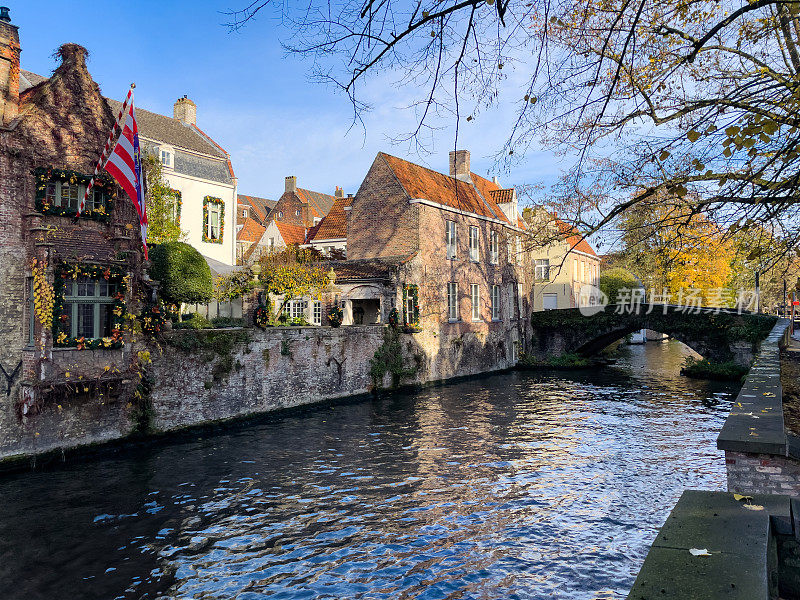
[550, 485]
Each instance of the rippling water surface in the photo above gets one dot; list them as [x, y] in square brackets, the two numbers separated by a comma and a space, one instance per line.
[546, 485]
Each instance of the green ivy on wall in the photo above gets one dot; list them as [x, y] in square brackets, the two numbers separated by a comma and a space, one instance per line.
[102, 183]
[113, 274]
[212, 200]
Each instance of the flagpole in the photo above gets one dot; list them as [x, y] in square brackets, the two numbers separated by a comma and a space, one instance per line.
[104, 156]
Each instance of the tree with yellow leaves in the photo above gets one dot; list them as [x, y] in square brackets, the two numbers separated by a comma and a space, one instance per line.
[292, 273]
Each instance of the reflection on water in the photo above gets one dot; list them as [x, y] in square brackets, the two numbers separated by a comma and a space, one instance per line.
[547, 485]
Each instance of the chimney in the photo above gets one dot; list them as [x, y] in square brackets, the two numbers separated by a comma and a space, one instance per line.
[496, 180]
[9, 68]
[185, 111]
[459, 165]
[291, 183]
[339, 193]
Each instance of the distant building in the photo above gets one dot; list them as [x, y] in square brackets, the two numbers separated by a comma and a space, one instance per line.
[301, 207]
[330, 235]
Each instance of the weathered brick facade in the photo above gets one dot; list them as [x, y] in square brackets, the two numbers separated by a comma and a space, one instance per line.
[60, 124]
[387, 222]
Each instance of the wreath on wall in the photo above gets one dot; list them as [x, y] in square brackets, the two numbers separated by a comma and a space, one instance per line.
[212, 200]
[112, 274]
[45, 175]
[262, 316]
[335, 316]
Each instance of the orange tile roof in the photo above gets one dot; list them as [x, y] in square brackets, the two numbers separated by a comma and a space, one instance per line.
[521, 223]
[574, 238]
[251, 231]
[334, 225]
[291, 234]
[319, 203]
[423, 183]
[500, 196]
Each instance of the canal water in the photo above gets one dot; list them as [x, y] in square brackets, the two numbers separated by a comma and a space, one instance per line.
[521, 485]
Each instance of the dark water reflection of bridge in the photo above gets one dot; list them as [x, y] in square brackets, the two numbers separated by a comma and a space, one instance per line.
[546, 485]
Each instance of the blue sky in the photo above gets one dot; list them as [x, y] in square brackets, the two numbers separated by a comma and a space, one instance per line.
[253, 99]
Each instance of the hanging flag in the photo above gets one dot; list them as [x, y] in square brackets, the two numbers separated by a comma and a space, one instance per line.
[124, 163]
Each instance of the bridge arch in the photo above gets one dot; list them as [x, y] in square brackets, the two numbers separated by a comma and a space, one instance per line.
[719, 335]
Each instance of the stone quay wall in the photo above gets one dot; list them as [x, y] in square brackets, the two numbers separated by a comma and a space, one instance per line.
[202, 377]
[280, 367]
[760, 458]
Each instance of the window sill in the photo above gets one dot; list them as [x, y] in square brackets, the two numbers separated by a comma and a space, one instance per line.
[454, 320]
[497, 320]
[478, 321]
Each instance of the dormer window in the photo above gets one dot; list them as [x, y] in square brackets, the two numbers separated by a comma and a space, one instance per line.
[166, 155]
[244, 213]
[297, 213]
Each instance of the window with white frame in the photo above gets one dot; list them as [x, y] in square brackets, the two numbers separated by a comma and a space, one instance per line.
[298, 309]
[213, 220]
[450, 238]
[244, 213]
[475, 300]
[542, 269]
[494, 248]
[575, 274]
[473, 243]
[68, 195]
[452, 301]
[166, 157]
[495, 303]
[317, 314]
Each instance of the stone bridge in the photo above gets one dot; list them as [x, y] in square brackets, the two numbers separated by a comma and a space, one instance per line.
[716, 334]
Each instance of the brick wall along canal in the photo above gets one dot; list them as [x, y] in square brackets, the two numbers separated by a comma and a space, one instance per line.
[546, 485]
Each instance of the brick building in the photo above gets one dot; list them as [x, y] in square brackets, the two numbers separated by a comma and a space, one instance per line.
[51, 135]
[301, 207]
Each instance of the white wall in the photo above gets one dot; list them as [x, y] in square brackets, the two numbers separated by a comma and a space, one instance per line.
[193, 190]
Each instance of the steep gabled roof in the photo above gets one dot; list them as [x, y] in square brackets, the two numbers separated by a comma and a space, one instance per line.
[500, 196]
[162, 128]
[261, 206]
[251, 231]
[319, 204]
[152, 125]
[291, 234]
[574, 238]
[422, 183]
[334, 225]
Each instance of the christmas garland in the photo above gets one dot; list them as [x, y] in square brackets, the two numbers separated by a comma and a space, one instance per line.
[45, 175]
[113, 274]
[152, 319]
[212, 200]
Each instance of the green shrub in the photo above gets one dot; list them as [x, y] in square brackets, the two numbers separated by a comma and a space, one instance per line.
[705, 369]
[182, 272]
[220, 322]
[195, 321]
[614, 280]
[563, 361]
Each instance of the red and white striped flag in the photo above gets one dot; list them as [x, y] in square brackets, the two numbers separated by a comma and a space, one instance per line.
[124, 163]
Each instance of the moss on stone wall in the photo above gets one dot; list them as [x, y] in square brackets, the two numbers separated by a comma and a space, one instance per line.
[388, 358]
[211, 346]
